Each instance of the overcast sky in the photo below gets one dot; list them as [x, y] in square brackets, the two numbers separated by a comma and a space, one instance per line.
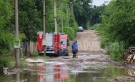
[99, 2]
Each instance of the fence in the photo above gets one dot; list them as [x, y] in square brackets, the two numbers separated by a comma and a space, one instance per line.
[27, 49]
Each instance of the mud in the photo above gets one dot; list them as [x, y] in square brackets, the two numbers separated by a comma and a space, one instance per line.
[91, 55]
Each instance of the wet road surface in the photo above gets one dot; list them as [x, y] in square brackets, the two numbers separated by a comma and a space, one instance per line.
[92, 65]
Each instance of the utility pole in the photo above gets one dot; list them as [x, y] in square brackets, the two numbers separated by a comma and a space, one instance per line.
[55, 16]
[44, 16]
[61, 16]
[16, 34]
[67, 17]
[71, 5]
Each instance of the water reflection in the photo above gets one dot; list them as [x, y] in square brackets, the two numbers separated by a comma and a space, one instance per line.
[59, 72]
[18, 77]
[101, 75]
[52, 72]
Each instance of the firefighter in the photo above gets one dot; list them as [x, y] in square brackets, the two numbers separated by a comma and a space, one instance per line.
[75, 49]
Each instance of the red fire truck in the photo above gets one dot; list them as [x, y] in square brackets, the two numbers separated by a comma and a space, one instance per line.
[56, 43]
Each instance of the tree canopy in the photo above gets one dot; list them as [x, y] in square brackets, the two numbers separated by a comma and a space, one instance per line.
[31, 16]
[6, 36]
[117, 27]
[85, 13]
[118, 22]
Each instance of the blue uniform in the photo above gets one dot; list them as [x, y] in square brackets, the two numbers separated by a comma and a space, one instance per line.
[75, 47]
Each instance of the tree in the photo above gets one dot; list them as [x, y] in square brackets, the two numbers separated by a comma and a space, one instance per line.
[6, 36]
[29, 19]
[82, 11]
[96, 15]
[118, 25]
[118, 21]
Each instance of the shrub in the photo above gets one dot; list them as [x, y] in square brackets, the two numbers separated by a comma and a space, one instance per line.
[115, 50]
[71, 32]
[95, 27]
[4, 62]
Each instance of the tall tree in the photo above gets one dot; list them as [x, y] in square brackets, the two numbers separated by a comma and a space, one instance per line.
[118, 22]
[97, 11]
[82, 11]
[6, 37]
[29, 18]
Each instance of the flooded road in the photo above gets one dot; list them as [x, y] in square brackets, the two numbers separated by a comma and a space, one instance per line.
[92, 65]
[61, 72]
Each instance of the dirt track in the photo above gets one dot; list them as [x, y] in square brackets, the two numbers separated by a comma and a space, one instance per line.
[90, 53]
[88, 41]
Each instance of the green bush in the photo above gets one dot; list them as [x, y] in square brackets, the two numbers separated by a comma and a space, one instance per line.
[115, 50]
[4, 62]
[71, 32]
[104, 41]
[95, 27]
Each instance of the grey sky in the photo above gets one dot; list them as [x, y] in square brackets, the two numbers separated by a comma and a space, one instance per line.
[99, 2]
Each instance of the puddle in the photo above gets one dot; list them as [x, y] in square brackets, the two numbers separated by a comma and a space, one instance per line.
[99, 75]
[60, 72]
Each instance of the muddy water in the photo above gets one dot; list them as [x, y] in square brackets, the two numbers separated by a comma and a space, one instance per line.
[99, 75]
[60, 72]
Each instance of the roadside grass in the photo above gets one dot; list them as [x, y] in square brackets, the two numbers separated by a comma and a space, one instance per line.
[115, 50]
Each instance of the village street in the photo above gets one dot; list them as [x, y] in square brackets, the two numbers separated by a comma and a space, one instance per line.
[92, 65]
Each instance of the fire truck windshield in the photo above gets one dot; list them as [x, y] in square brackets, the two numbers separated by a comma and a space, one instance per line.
[63, 41]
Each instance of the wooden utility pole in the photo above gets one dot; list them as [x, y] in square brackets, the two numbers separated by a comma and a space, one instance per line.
[67, 17]
[44, 24]
[16, 33]
[71, 6]
[55, 16]
[61, 12]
